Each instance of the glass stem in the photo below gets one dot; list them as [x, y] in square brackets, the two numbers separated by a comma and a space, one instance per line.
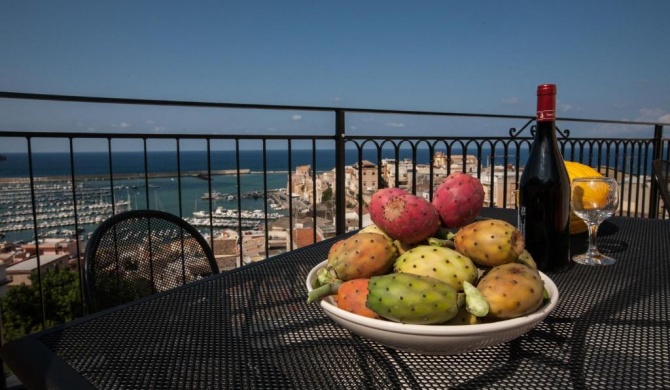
[593, 237]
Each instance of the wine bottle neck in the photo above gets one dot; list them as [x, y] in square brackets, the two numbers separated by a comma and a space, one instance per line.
[546, 103]
[545, 129]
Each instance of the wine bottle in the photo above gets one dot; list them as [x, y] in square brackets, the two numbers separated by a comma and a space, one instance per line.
[544, 191]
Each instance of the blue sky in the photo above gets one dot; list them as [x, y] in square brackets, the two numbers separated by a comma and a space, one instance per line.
[609, 59]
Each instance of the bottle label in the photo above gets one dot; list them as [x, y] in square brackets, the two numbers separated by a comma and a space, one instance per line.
[521, 225]
[546, 115]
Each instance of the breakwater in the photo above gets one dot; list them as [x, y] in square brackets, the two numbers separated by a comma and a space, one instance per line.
[205, 175]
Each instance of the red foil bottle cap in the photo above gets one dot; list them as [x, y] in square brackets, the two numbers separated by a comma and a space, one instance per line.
[546, 102]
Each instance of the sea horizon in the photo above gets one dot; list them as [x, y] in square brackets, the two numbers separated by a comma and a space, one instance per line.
[132, 162]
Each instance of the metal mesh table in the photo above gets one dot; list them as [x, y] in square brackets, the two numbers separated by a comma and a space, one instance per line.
[251, 328]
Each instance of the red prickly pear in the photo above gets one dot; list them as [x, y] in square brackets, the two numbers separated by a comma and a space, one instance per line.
[352, 295]
[409, 219]
[458, 199]
[379, 200]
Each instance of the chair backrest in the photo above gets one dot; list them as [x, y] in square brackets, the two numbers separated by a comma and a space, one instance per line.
[661, 169]
[141, 252]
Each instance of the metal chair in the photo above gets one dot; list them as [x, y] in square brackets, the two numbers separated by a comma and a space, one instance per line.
[139, 253]
[661, 169]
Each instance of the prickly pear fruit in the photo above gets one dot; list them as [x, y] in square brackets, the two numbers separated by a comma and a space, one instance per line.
[352, 295]
[490, 242]
[372, 228]
[458, 199]
[438, 262]
[379, 200]
[526, 258]
[408, 218]
[361, 256]
[412, 299]
[512, 290]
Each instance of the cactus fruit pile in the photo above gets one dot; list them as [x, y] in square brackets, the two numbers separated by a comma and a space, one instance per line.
[433, 262]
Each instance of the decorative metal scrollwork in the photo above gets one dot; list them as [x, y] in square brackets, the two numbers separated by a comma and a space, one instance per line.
[514, 133]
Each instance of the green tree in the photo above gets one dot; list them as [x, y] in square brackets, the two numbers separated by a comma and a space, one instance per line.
[327, 195]
[22, 309]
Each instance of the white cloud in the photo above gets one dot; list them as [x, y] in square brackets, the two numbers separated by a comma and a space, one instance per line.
[122, 125]
[510, 101]
[395, 124]
[564, 107]
[653, 115]
[158, 129]
[296, 118]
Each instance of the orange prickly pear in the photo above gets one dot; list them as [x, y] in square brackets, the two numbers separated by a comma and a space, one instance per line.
[360, 256]
[352, 295]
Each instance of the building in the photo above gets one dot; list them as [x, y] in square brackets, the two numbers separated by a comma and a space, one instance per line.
[8, 252]
[20, 272]
[503, 180]
[226, 251]
[302, 183]
[363, 180]
[53, 246]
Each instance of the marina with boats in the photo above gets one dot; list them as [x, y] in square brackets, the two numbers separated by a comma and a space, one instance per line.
[53, 210]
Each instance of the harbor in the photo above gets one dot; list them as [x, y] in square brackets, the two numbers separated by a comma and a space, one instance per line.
[59, 210]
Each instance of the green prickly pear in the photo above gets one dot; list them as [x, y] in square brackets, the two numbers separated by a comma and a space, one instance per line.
[412, 299]
[512, 290]
[441, 263]
[489, 243]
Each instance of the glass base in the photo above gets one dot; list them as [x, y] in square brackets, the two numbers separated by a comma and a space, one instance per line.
[589, 259]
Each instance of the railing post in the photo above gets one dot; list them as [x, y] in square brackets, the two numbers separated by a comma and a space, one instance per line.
[658, 150]
[3, 382]
[340, 191]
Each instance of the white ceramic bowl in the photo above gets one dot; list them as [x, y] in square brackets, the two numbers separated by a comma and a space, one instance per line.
[436, 339]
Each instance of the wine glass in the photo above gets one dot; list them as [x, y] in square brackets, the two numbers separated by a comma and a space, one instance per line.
[594, 199]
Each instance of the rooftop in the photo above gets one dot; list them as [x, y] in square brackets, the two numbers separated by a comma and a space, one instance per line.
[30, 264]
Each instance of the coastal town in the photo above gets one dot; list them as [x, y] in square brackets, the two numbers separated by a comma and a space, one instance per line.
[295, 216]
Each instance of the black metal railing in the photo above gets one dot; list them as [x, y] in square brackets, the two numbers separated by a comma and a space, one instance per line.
[397, 160]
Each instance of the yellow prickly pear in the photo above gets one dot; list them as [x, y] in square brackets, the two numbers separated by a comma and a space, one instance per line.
[441, 263]
[512, 290]
[490, 242]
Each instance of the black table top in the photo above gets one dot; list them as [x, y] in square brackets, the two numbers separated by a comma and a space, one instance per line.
[251, 328]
